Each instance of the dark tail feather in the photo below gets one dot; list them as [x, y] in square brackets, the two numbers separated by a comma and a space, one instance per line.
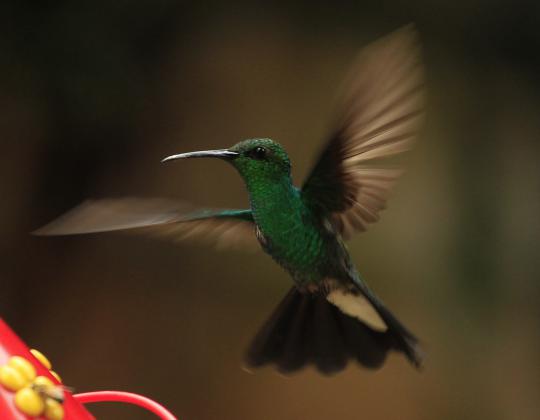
[307, 329]
[404, 340]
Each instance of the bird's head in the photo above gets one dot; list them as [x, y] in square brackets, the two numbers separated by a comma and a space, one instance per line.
[254, 159]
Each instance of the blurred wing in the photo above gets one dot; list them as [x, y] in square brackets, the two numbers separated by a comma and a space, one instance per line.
[381, 111]
[156, 217]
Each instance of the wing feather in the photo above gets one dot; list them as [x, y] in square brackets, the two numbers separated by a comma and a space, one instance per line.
[380, 117]
[157, 217]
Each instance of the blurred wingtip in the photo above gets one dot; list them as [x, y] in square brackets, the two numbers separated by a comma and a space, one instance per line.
[42, 231]
[94, 216]
[409, 31]
[73, 222]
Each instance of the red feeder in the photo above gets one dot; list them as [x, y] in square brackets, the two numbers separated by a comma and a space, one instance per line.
[30, 390]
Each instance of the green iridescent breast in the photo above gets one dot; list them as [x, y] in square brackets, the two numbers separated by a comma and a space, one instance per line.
[288, 233]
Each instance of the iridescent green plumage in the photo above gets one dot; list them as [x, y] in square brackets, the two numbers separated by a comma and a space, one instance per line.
[286, 228]
[330, 315]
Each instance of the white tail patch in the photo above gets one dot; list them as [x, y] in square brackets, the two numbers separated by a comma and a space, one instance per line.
[358, 307]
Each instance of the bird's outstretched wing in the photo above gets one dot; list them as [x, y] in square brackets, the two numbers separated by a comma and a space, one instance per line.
[380, 114]
[160, 217]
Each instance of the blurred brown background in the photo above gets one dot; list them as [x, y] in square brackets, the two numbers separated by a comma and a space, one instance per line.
[94, 93]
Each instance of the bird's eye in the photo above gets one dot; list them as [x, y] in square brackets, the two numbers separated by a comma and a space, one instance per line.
[258, 153]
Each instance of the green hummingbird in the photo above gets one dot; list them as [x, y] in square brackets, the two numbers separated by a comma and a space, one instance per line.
[330, 315]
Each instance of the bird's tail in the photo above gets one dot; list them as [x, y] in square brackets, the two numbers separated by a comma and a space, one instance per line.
[308, 329]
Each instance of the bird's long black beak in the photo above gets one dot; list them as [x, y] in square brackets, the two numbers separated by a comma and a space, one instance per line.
[221, 154]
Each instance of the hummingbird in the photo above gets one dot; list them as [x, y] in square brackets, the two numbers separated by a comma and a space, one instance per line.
[330, 315]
